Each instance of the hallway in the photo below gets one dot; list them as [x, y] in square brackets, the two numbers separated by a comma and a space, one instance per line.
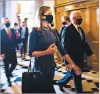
[90, 80]
[27, 15]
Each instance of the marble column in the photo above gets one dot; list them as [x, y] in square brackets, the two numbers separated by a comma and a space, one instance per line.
[1, 13]
[51, 4]
[38, 4]
[11, 10]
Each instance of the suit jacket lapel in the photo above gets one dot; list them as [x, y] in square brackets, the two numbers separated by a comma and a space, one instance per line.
[5, 34]
[75, 30]
[83, 35]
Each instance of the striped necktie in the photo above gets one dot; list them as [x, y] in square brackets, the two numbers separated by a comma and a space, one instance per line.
[79, 31]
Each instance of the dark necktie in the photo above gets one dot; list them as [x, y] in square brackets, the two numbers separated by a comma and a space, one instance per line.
[9, 34]
[79, 31]
[17, 34]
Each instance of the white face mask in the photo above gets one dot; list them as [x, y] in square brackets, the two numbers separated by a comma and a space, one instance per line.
[16, 27]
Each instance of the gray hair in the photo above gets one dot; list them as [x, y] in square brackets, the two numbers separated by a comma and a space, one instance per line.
[74, 14]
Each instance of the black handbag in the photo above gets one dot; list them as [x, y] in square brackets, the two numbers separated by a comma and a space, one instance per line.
[36, 82]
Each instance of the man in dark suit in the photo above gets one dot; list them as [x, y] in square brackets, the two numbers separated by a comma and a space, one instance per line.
[17, 32]
[75, 43]
[65, 23]
[24, 39]
[8, 45]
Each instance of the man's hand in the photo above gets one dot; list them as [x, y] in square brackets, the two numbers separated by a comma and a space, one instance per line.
[3, 56]
[69, 67]
[93, 57]
[74, 66]
[76, 69]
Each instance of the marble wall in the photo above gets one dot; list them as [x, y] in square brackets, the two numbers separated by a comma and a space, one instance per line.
[9, 10]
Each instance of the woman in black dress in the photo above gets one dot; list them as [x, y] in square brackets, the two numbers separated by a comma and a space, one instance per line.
[44, 43]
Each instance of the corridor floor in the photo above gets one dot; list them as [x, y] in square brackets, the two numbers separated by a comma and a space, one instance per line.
[90, 80]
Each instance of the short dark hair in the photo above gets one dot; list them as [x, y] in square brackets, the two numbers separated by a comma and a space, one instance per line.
[66, 18]
[6, 18]
[15, 24]
[25, 19]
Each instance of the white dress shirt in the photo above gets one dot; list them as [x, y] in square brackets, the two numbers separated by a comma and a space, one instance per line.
[79, 30]
[7, 29]
[23, 32]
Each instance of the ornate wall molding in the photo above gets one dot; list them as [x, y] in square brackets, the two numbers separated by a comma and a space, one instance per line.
[76, 2]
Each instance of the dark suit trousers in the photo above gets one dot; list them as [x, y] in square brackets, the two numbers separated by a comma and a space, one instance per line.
[24, 45]
[78, 82]
[77, 79]
[10, 58]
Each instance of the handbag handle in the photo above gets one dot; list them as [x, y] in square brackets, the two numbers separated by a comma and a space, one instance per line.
[30, 67]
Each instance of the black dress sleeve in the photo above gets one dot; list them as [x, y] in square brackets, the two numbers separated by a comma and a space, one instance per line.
[59, 45]
[32, 41]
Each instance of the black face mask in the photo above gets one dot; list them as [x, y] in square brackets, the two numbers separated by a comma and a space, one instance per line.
[52, 25]
[7, 24]
[79, 21]
[64, 23]
[49, 18]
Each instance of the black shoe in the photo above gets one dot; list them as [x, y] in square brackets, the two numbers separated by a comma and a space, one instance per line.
[86, 92]
[9, 83]
[85, 70]
[61, 88]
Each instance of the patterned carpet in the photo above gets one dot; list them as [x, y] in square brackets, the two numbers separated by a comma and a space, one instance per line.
[90, 79]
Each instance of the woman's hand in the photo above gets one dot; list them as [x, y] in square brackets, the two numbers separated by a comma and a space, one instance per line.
[76, 69]
[52, 49]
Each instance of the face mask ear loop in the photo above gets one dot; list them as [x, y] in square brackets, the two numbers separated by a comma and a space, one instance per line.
[43, 17]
